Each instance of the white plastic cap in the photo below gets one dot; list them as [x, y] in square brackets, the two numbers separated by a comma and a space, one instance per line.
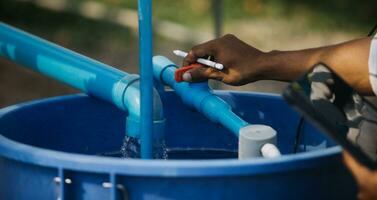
[270, 151]
[252, 138]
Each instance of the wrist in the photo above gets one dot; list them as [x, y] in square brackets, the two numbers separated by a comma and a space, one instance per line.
[289, 65]
[272, 65]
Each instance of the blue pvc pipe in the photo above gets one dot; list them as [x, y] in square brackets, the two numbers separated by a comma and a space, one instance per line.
[81, 72]
[146, 74]
[90, 76]
[198, 96]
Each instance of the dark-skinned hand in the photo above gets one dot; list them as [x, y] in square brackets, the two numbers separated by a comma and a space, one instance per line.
[242, 62]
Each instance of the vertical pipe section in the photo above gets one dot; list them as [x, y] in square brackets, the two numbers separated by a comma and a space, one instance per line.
[146, 77]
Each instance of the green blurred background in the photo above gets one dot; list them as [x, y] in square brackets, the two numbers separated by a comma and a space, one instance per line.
[106, 30]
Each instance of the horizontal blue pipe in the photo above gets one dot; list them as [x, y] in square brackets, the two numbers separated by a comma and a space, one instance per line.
[90, 76]
[78, 71]
[198, 96]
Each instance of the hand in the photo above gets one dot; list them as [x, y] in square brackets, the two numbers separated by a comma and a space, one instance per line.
[365, 178]
[242, 62]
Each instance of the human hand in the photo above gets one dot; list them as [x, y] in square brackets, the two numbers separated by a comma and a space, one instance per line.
[242, 62]
[365, 178]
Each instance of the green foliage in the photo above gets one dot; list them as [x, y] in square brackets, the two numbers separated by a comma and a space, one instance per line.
[70, 29]
[344, 14]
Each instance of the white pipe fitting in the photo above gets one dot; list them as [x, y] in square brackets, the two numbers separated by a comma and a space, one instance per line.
[269, 150]
[257, 141]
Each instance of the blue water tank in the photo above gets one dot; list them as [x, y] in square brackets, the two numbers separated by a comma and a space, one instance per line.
[53, 149]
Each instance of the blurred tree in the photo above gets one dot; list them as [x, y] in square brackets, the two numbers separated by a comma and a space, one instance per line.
[344, 12]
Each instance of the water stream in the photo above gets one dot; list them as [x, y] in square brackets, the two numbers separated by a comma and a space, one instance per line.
[131, 149]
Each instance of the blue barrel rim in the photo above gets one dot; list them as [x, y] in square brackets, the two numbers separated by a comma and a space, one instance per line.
[161, 168]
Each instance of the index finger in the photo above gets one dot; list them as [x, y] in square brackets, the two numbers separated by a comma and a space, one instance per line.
[200, 51]
[189, 59]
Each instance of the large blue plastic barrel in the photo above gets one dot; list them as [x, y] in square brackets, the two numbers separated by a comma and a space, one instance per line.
[50, 149]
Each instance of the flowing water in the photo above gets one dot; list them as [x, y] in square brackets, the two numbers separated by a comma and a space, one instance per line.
[131, 149]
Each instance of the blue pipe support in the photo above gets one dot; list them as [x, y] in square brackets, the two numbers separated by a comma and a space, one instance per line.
[90, 76]
[198, 96]
[146, 80]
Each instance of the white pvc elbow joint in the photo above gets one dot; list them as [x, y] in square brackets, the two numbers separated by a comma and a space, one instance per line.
[257, 141]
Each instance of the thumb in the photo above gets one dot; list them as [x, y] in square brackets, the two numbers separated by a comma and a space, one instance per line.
[201, 73]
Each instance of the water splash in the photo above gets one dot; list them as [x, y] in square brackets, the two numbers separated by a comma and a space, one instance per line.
[131, 148]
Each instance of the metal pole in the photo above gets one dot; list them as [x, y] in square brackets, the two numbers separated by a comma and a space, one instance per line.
[217, 10]
[146, 77]
[217, 6]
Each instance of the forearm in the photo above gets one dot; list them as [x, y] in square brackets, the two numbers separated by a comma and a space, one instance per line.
[349, 60]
